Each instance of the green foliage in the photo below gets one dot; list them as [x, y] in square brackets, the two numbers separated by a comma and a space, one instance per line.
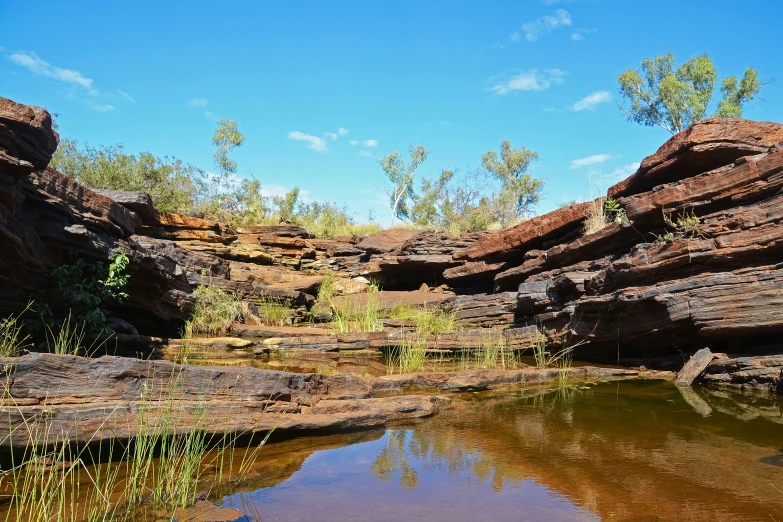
[326, 290]
[735, 93]
[173, 186]
[401, 176]
[213, 312]
[352, 315]
[615, 212]
[226, 138]
[427, 321]
[12, 338]
[274, 313]
[519, 189]
[676, 99]
[78, 291]
[684, 225]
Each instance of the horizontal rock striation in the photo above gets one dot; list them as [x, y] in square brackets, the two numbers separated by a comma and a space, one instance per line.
[640, 289]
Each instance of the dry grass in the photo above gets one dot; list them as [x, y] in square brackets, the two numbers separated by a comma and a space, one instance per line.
[596, 217]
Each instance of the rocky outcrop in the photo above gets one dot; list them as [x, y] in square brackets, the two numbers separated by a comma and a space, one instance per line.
[113, 397]
[27, 140]
[638, 290]
[707, 145]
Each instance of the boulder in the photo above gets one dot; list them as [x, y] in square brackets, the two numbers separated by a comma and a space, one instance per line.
[386, 240]
[27, 139]
[138, 202]
[529, 234]
[707, 145]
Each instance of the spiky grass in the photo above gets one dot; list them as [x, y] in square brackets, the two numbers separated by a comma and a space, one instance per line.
[159, 471]
[326, 290]
[214, 311]
[273, 312]
[427, 321]
[596, 217]
[353, 316]
[12, 338]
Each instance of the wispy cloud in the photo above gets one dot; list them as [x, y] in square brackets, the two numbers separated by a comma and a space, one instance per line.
[125, 95]
[366, 153]
[623, 172]
[531, 80]
[198, 102]
[591, 100]
[313, 142]
[76, 82]
[499, 45]
[32, 62]
[579, 34]
[331, 135]
[590, 160]
[543, 25]
[342, 131]
[365, 143]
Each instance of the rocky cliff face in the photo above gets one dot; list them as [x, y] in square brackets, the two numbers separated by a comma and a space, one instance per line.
[636, 290]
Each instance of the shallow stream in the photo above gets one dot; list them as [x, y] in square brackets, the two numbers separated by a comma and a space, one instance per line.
[631, 450]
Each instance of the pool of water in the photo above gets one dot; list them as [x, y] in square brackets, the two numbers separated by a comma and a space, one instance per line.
[630, 450]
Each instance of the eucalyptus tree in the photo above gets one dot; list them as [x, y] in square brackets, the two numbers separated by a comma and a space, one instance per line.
[659, 95]
[401, 176]
[519, 189]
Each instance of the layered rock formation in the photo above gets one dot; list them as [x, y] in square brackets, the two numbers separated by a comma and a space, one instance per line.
[638, 290]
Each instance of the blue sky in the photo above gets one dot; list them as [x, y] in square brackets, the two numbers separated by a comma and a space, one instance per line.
[322, 89]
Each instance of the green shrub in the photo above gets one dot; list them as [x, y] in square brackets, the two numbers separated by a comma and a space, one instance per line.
[214, 311]
[78, 291]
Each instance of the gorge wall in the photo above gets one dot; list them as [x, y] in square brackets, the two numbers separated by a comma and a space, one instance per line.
[637, 290]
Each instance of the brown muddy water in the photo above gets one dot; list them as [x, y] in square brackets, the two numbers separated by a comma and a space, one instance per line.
[631, 450]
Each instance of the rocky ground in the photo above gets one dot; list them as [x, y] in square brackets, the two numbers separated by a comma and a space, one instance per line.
[640, 291]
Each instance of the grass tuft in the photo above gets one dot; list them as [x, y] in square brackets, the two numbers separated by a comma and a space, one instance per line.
[214, 311]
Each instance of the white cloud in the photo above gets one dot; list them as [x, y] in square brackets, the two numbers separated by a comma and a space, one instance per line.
[126, 96]
[198, 102]
[579, 34]
[36, 65]
[103, 108]
[590, 160]
[591, 100]
[623, 172]
[331, 135]
[365, 143]
[366, 153]
[545, 24]
[531, 80]
[342, 131]
[314, 142]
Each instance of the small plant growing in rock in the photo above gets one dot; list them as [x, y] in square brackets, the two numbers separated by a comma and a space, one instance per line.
[614, 212]
[78, 292]
[684, 225]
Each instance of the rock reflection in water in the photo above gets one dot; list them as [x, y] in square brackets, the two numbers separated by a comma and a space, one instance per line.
[619, 451]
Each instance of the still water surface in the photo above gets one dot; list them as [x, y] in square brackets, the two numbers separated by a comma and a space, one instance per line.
[617, 451]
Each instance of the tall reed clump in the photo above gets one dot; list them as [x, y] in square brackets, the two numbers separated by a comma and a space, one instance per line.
[161, 469]
[493, 351]
[411, 353]
[12, 337]
[353, 315]
[596, 217]
[214, 311]
[273, 312]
